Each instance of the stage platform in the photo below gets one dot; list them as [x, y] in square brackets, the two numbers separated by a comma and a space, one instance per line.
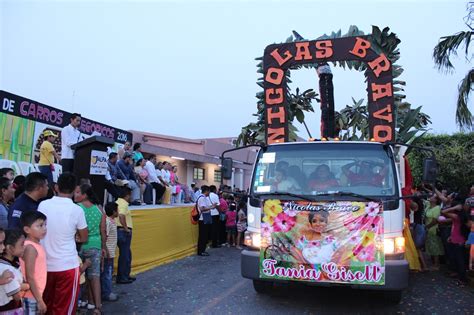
[161, 234]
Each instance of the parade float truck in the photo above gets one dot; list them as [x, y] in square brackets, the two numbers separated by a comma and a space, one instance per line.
[327, 213]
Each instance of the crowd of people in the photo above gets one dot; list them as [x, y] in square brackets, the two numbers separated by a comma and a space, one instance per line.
[70, 262]
[443, 230]
[222, 220]
[129, 168]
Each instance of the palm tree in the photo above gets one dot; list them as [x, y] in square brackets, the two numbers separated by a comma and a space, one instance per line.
[447, 46]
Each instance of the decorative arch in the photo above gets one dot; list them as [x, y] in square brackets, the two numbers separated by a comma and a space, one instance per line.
[279, 58]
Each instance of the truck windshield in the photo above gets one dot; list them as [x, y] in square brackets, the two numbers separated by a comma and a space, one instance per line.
[319, 168]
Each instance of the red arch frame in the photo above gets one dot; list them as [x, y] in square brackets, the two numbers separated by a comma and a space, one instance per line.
[279, 58]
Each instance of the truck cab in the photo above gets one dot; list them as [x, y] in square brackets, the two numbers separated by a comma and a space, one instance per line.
[310, 180]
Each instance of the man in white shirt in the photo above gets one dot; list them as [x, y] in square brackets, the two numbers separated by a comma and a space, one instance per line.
[204, 205]
[150, 167]
[165, 177]
[64, 219]
[70, 135]
[215, 216]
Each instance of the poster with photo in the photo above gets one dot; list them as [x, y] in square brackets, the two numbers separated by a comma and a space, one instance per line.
[334, 242]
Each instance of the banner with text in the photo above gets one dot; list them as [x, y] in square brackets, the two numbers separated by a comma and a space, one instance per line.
[338, 242]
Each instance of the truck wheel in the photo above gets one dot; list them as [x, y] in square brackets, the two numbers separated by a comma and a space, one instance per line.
[393, 297]
[262, 286]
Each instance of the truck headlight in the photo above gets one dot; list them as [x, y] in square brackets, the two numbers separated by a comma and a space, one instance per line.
[394, 245]
[252, 239]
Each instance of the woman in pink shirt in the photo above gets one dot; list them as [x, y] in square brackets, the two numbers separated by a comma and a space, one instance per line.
[231, 224]
[456, 243]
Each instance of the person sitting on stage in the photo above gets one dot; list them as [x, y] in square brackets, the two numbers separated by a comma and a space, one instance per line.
[126, 167]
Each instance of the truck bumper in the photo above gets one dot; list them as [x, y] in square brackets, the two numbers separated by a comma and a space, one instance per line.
[396, 273]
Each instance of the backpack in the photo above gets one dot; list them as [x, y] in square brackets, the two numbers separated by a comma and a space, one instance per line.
[195, 213]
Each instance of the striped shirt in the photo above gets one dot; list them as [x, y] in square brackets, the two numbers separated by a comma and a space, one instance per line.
[111, 230]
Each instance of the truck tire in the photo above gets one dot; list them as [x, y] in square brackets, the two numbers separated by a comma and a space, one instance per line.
[393, 297]
[262, 287]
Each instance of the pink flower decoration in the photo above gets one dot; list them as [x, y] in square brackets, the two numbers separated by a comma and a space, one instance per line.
[283, 222]
[372, 209]
[266, 229]
[316, 243]
[366, 253]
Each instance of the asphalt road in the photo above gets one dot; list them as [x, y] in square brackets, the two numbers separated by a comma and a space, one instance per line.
[213, 285]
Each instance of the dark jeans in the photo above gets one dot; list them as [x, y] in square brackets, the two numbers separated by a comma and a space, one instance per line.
[106, 277]
[457, 260]
[68, 165]
[160, 190]
[203, 236]
[148, 194]
[215, 230]
[222, 232]
[124, 241]
[113, 189]
[46, 171]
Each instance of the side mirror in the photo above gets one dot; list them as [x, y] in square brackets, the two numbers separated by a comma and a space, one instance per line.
[430, 170]
[226, 168]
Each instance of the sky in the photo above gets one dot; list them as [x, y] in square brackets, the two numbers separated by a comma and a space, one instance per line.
[187, 68]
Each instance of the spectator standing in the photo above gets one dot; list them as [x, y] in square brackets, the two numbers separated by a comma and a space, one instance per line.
[70, 135]
[14, 248]
[205, 221]
[47, 156]
[137, 152]
[19, 185]
[215, 216]
[469, 207]
[111, 210]
[33, 262]
[150, 167]
[241, 223]
[65, 219]
[124, 238]
[92, 248]
[126, 148]
[7, 173]
[223, 207]
[433, 245]
[231, 224]
[126, 167]
[7, 195]
[36, 188]
[456, 242]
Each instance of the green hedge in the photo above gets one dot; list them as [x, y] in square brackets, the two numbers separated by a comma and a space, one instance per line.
[455, 156]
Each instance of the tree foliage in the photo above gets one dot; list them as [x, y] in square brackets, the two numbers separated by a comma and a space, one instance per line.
[454, 153]
[442, 53]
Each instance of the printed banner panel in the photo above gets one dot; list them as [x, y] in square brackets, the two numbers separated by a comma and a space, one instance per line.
[98, 162]
[338, 242]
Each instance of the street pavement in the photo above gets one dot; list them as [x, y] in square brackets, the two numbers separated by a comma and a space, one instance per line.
[213, 285]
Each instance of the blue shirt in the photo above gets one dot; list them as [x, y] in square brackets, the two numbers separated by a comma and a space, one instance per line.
[3, 216]
[22, 204]
[126, 169]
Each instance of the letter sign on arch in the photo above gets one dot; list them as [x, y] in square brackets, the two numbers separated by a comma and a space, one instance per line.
[279, 58]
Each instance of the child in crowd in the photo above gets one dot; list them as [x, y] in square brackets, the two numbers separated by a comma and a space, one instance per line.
[231, 224]
[241, 223]
[91, 249]
[111, 210]
[33, 262]
[82, 279]
[12, 292]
